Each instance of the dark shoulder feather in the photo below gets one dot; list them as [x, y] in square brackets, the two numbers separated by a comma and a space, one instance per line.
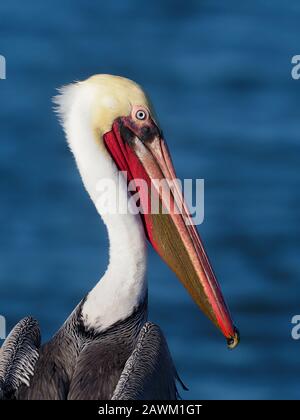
[18, 357]
[56, 363]
[149, 373]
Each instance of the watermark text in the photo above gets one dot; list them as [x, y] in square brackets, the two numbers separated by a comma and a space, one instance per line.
[296, 329]
[161, 196]
[2, 67]
[296, 68]
[2, 327]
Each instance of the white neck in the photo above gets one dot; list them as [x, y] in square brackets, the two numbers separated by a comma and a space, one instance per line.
[123, 286]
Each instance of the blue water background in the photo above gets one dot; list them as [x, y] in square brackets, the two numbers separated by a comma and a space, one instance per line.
[219, 74]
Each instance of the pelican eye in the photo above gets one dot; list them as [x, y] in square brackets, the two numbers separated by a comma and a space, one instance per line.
[141, 114]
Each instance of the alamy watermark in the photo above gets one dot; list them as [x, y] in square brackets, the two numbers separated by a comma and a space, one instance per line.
[296, 68]
[2, 327]
[2, 67]
[296, 329]
[162, 196]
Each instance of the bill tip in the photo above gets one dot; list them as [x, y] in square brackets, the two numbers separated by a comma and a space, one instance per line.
[234, 340]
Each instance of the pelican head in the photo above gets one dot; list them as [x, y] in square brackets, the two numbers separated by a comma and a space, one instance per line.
[122, 127]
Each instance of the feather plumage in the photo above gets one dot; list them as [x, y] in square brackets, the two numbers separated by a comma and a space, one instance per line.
[18, 357]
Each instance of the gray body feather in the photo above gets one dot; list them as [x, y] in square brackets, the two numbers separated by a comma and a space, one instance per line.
[149, 373]
[130, 360]
[18, 357]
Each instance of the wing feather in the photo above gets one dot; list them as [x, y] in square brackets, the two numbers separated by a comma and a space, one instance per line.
[149, 373]
[18, 357]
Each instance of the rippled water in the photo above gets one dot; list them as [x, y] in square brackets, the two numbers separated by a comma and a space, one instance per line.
[219, 76]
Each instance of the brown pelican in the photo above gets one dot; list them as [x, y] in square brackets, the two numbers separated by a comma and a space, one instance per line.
[107, 349]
